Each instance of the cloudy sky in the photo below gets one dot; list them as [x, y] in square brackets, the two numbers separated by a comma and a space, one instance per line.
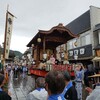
[33, 15]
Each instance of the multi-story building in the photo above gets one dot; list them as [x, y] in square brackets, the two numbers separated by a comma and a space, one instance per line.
[83, 49]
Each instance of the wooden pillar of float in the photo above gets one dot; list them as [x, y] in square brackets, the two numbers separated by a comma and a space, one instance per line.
[37, 55]
[41, 54]
[34, 54]
[44, 45]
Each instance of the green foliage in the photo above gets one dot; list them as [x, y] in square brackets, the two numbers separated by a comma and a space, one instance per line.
[17, 53]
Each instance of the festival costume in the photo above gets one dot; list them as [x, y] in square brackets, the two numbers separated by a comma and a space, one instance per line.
[78, 81]
[95, 95]
[56, 97]
[70, 92]
[38, 94]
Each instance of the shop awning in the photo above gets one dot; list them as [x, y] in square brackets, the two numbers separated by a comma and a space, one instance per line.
[96, 59]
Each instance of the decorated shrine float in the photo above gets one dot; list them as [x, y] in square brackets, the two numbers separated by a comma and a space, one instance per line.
[42, 72]
[45, 43]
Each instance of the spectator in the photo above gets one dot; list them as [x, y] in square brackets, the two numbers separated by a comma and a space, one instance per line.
[69, 92]
[39, 93]
[94, 94]
[9, 69]
[24, 71]
[15, 71]
[54, 85]
[86, 74]
[3, 94]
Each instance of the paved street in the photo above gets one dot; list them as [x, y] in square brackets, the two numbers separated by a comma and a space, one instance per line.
[20, 87]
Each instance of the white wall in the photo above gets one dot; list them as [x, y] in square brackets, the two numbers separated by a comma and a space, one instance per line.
[94, 19]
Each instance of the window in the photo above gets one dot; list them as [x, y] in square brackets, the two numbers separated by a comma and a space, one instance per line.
[72, 44]
[85, 40]
[99, 37]
[88, 41]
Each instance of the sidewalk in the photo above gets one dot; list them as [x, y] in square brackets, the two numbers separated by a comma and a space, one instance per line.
[20, 87]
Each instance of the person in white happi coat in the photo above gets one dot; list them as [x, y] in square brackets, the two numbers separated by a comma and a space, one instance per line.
[94, 93]
[39, 93]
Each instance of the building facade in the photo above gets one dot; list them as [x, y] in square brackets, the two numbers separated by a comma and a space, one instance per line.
[84, 49]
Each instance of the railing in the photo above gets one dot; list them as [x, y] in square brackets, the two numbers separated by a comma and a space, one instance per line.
[59, 67]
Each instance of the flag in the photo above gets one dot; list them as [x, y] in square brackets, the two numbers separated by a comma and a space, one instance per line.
[8, 34]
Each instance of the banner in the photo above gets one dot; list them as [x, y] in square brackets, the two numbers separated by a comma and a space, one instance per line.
[8, 34]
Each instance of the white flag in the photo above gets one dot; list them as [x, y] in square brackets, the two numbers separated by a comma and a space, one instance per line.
[8, 33]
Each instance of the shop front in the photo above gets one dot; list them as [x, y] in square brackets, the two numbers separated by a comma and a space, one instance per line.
[81, 55]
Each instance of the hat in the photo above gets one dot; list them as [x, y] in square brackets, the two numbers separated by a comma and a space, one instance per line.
[96, 75]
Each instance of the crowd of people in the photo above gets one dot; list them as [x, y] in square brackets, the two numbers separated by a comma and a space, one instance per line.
[23, 69]
[9, 70]
[56, 85]
[59, 85]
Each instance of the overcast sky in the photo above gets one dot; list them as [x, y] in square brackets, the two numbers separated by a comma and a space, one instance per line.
[33, 15]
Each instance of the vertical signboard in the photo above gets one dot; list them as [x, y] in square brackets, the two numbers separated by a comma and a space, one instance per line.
[8, 34]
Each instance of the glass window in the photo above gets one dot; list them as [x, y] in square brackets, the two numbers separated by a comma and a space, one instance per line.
[88, 41]
[99, 37]
[82, 40]
[72, 44]
[85, 40]
[69, 45]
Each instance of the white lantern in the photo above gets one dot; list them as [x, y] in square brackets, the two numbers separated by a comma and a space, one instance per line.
[44, 55]
[39, 40]
[32, 45]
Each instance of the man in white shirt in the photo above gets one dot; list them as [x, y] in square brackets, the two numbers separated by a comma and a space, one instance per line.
[94, 94]
[39, 93]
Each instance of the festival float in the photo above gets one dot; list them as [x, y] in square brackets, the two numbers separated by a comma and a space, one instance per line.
[44, 44]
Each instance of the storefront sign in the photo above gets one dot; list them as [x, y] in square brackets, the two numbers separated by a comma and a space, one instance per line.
[77, 52]
[81, 52]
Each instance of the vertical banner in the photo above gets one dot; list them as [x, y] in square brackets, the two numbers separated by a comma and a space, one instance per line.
[8, 34]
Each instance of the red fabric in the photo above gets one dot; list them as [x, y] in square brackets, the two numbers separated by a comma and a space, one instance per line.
[38, 72]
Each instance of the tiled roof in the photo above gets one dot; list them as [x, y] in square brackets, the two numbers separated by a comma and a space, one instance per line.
[80, 24]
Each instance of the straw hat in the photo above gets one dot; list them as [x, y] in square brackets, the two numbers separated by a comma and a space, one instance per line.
[96, 75]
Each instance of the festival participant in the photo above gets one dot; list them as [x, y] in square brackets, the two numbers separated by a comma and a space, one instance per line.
[79, 76]
[52, 59]
[86, 74]
[24, 71]
[69, 92]
[15, 71]
[9, 69]
[94, 93]
[54, 85]
[3, 94]
[39, 93]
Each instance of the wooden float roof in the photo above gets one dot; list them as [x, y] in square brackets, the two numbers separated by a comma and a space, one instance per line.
[54, 37]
